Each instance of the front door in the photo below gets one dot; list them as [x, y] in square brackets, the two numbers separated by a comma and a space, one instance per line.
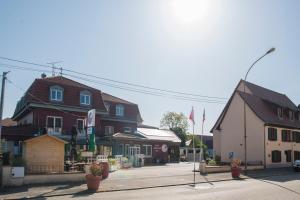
[134, 150]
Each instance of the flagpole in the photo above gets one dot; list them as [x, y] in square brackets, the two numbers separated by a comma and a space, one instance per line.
[201, 154]
[194, 150]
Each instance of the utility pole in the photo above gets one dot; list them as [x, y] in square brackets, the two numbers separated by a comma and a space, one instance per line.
[1, 107]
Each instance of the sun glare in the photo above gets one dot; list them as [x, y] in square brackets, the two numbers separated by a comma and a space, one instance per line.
[190, 11]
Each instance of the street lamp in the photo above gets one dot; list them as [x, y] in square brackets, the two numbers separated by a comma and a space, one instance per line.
[245, 122]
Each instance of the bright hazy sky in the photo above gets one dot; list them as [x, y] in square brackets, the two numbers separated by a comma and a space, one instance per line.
[202, 47]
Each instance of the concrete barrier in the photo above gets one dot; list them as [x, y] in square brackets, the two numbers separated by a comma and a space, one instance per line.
[9, 180]
[225, 168]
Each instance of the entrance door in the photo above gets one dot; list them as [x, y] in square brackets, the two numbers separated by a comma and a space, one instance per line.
[134, 150]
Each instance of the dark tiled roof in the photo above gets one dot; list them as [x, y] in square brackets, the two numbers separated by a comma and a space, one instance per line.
[61, 80]
[108, 97]
[262, 110]
[259, 102]
[271, 96]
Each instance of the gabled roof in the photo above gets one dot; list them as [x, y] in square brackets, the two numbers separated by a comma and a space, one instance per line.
[46, 135]
[271, 96]
[259, 100]
[262, 110]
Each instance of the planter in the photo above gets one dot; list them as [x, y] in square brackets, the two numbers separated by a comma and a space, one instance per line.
[105, 169]
[235, 172]
[93, 182]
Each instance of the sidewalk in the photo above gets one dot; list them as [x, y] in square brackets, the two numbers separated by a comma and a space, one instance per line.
[129, 183]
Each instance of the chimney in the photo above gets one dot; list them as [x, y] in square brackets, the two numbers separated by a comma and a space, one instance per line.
[43, 75]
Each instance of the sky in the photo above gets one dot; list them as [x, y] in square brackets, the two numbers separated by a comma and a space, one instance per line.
[192, 46]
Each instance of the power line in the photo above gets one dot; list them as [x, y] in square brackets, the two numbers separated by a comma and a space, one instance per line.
[148, 92]
[125, 88]
[111, 80]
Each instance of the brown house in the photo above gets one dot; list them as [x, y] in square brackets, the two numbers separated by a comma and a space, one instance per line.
[54, 105]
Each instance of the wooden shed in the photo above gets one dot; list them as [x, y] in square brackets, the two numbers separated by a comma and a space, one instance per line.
[44, 154]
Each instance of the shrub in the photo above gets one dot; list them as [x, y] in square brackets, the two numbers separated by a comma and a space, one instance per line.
[112, 161]
[18, 162]
[218, 159]
[96, 169]
[212, 162]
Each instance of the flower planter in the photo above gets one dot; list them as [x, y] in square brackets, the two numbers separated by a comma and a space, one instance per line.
[105, 169]
[235, 172]
[93, 182]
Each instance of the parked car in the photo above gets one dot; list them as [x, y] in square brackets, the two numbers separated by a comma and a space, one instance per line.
[296, 165]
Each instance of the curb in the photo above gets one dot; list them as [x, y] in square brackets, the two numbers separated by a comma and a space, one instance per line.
[147, 187]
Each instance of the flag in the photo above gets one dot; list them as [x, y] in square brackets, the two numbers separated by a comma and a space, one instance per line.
[192, 116]
[203, 115]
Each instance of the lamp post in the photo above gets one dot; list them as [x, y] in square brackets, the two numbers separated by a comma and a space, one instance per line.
[245, 121]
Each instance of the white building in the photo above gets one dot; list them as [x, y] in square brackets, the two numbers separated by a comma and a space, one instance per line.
[273, 127]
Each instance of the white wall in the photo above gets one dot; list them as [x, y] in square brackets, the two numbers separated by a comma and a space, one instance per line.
[231, 137]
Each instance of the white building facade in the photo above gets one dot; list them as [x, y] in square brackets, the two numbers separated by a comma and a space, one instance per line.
[273, 128]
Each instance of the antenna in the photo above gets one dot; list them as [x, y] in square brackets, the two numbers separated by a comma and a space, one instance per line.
[54, 67]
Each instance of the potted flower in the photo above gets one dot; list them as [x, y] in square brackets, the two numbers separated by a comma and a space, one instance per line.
[235, 168]
[93, 179]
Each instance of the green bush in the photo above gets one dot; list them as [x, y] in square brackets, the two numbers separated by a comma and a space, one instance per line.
[18, 162]
[218, 159]
[112, 161]
[212, 162]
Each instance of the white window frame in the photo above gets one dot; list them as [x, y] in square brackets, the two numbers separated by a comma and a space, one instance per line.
[53, 132]
[111, 130]
[56, 90]
[86, 97]
[280, 112]
[129, 129]
[146, 150]
[120, 110]
[80, 131]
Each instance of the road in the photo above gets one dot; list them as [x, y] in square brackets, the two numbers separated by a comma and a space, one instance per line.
[283, 187]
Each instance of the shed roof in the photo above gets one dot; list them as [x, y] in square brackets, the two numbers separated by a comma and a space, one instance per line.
[158, 134]
[46, 135]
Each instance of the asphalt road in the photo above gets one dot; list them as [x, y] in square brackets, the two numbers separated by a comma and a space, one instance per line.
[283, 187]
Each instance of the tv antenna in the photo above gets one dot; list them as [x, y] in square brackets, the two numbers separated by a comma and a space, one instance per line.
[54, 67]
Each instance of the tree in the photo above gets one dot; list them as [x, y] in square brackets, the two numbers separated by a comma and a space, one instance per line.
[176, 122]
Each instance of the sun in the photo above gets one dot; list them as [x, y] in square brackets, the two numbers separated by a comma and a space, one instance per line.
[190, 11]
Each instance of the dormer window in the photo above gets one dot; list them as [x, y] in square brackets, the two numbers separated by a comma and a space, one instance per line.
[56, 93]
[280, 112]
[85, 98]
[119, 110]
[291, 115]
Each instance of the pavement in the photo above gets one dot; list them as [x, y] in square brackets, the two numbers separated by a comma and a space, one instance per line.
[284, 187]
[180, 174]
